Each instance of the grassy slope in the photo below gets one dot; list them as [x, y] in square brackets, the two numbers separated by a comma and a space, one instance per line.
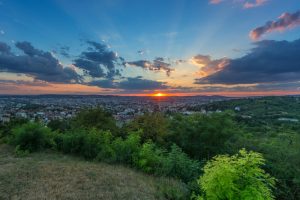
[56, 176]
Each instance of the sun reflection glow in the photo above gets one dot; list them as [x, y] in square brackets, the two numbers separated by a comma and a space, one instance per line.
[159, 95]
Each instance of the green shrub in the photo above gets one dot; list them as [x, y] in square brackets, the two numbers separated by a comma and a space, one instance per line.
[149, 159]
[72, 142]
[59, 125]
[106, 153]
[203, 136]
[236, 177]
[31, 137]
[21, 153]
[92, 144]
[177, 164]
[6, 128]
[95, 118]
[154, 127]
[126, 150]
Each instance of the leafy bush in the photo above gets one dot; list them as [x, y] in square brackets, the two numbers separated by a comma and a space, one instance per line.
[95, 118]
[6, 128]
[150, 158]
[126, 150]
[59, 125]
[236, 177]
[177, 164]
[72, 142]
[154, 127]
[21, 153]
[203, 136]
[106, 153]
[92, 143]
[31, 137]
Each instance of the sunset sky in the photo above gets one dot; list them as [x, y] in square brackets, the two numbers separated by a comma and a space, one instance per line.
[138, 47]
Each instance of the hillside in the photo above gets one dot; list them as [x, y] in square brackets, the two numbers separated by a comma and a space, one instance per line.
[56, 176]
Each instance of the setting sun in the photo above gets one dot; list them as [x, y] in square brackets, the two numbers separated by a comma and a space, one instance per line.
[159, 95]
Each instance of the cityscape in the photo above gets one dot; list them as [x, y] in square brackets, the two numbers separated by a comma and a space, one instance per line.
[124, 108]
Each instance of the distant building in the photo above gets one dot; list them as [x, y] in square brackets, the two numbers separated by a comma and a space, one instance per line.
[237, 108]
[288, 119]
[5, 118]
[21, 115]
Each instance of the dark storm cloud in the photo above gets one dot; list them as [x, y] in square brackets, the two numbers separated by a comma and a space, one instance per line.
[106, 83]
[4, 48]
[269, 62]
[28, 49]
[279, 86]
[36, 63]
[285, 21]
[135, 83]
[288, 86]
[98, 61]
[22, 82]
[157, 64]
[138, 83]
[89, 67]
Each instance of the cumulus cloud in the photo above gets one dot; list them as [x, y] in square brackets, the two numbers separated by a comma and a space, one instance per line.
[207, 65]
[104, 83]
[39, 64]
[131, 83]
[139, 83]
[4, 48]
[269, 62]
[285, 21]
[156, 65]
[98, 61]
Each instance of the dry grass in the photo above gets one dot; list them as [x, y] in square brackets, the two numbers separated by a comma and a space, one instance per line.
[56, 176]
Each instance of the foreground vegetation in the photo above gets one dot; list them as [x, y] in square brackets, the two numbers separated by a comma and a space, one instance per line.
[226, 155]
[50, 175]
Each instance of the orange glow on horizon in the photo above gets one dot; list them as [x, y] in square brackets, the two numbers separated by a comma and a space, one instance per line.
[228, 94]
[159, 95]
[11, 88]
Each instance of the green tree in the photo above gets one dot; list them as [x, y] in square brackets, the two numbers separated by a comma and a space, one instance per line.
[31, 137]
[203, 136]
[236, 177]
[150, 158]
[95, 118]
[6, 128]
[59, 125]
[154, 127]
[178, 164]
